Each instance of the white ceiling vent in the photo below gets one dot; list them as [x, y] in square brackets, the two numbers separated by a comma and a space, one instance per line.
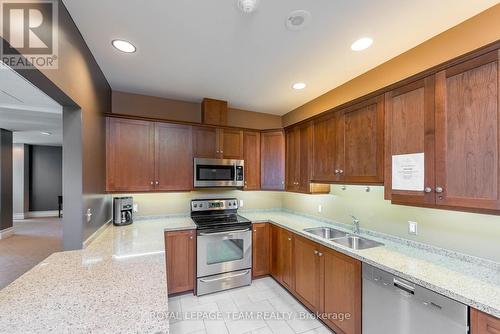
[247, 6]
[298, 19]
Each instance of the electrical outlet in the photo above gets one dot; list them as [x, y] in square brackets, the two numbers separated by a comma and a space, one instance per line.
[241, 203]
[135, 207]
[412, 228]
[320, 208]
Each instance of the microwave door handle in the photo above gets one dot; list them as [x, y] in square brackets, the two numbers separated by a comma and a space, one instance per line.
[227, 232]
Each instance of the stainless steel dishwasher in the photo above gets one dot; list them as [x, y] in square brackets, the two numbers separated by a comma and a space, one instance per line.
[392, 305]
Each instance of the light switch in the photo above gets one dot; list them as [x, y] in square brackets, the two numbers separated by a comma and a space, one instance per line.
[135, 207]
[241, 203]
[320, 208]
[412, 228]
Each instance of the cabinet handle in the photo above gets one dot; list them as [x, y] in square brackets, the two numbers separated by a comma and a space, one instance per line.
[289, 239]
[316, 252]
[341, 171]
[428, 189]
[157, 182]
[337, 172]
[152, 182]
[439, 190]
[320, 254]
[191, 238]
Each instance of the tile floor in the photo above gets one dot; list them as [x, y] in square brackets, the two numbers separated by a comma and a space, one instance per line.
[264, 295]
[33, 240]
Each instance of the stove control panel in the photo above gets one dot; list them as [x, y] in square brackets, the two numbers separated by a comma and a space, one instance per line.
[214, 204]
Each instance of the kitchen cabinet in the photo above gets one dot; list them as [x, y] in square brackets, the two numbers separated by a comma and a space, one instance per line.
[180, 252]
[341, 291]
[251, 156]
[410, 128]
[467, 134]
[217, 143]
[308, 272]
[261, 249]
[272, 160]
[148, 156]
[299, 161]
[482, 323]
[173, 157]
[129, 155]
[282, 256]
[360, 143]
[324, 150]
[214, 112]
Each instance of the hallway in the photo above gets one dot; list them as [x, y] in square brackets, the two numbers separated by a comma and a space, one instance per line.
[33, 241]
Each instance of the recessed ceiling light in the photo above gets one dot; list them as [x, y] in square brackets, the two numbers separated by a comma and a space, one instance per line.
[123, 46]
[247, 6]
[362, 44]
[45, 133]
[299, 85]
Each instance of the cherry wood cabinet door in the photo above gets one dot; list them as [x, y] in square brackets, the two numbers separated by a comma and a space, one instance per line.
[282, 256]
[275, 260]
[482, 323]
[342, 291]
[324, 149]
[292, 159]
[261, 249]
[409, 128]
[180, 258]
[361, 142]
[173, 157]
[305, 149]
[272, 160]
[205, 142]
[467, 134]
[308, 272]
[130, 155]
[231, 144]
[251, 156]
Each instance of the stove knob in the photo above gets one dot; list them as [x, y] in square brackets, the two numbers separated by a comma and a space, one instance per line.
[196, 205]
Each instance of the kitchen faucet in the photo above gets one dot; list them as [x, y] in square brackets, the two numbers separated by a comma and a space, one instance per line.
[355, 222]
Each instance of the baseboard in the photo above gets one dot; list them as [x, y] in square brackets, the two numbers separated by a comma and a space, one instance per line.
[42, 214]
[19, 216]
[4, 234]
[97, 233]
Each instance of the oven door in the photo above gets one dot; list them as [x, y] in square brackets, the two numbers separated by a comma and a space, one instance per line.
[221, 252]
[218, 173]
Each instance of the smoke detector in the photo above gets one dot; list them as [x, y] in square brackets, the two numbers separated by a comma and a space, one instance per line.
[298, 19]
[247, 6]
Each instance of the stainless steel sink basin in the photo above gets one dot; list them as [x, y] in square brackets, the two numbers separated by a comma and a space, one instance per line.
[356, 242]
[326, 232]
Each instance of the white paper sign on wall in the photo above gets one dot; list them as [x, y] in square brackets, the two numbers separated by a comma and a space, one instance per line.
[408, 172]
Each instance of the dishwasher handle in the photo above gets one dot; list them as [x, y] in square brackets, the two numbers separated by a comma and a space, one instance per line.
[403, 286]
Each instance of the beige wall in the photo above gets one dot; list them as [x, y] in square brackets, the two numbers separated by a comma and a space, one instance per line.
[175, 110]
[176, 203]
[470, 233]
[478, 31]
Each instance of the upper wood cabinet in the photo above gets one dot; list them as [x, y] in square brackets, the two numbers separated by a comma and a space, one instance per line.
[251, 156]
[261, 249]
[482, 323]
[214, 112]
[180, 260]
[130, 158]
[299, 161]
[272, 160]
[360, 143]
[173, 157]
[409, 128]
[324, 149]
[148, 156]
[217, 143]
[467, 134]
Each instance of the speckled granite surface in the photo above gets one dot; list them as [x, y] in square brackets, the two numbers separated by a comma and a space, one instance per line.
[472, 281]
[116, 285]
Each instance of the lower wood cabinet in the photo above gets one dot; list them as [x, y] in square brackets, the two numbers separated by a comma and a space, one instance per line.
[482, 323]
[261, 249]
[282, 256]
[180, 248]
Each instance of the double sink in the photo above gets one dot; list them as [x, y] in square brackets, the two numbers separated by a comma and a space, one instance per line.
[342, 238]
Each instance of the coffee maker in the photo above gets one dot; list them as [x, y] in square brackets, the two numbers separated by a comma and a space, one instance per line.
[122, 211]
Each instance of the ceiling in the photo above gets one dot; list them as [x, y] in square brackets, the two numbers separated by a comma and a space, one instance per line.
[27, 111]
[189, 49]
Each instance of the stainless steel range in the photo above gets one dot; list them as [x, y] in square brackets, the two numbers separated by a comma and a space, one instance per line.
[224, 245]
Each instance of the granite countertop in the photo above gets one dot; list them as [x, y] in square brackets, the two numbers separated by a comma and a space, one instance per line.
[467, 279]
[116, 285]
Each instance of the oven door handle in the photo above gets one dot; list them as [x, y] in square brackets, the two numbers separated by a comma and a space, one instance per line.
[225, 277]
[226, 232]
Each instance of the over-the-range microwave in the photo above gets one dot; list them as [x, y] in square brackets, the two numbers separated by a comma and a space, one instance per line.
[210, 173]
